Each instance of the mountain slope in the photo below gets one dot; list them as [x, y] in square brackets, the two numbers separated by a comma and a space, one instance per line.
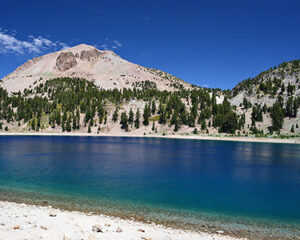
[105, 68]
[265, 88]
[84, 90]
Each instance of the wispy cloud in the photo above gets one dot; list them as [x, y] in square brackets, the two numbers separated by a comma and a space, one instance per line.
[205, 85]
[9, 43]
[117, 43]
[111, 45]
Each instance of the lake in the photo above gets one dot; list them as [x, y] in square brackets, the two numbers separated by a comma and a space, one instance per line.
[245, 189]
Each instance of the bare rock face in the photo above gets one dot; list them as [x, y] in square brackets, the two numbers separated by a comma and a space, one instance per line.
[65, 61]
[88, 55]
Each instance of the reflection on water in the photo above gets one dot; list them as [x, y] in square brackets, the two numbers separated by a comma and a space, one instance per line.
[193, 181]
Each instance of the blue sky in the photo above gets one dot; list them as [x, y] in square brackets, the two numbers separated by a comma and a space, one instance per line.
[208, 43]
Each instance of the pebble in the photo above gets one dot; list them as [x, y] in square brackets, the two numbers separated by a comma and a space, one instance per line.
[17, 227]
[66, 237]
[119, 230]
[141, 230]
[97, 228]
[52, 213]
[43, 227]
[92, 237]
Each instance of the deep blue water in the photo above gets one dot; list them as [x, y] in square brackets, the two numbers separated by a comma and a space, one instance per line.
[188, 181]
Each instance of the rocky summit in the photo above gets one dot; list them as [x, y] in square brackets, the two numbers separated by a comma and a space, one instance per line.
[105, 68]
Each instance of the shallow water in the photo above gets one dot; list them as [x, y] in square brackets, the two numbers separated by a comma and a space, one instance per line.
[250, 189]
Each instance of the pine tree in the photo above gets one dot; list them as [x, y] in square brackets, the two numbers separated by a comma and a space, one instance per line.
[33, 124]
[131, 117]
[277, 115]
[153, 107]
[137, 119]
[115, 115]
[77, 119]
[124, 121]
[146, 115]
[162, 115]
[68, 125]
[203, 125]
[292, 129]
[57, 117]
[153, 126]
[176, 126]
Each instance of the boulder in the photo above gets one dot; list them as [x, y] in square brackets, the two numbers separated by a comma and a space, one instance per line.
[65, 61]
[88, 55]
[17, 227]
[119, 230]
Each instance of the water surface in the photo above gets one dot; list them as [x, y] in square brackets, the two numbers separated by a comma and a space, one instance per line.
[241, 188]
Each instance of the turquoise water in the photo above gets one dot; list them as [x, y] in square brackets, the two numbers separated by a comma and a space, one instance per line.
[248, 189]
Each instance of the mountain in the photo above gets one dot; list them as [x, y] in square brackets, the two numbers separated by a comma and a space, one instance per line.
[271, 100]
[265, 88]
[105, 68]
[85, 90]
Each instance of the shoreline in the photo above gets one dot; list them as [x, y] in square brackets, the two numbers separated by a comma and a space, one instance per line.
[19, 221]
[195, 137]
[210, 230]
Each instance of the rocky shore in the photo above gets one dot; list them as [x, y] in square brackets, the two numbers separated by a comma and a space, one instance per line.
[21, 221]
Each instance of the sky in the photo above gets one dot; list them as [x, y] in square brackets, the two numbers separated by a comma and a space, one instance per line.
[208, 43]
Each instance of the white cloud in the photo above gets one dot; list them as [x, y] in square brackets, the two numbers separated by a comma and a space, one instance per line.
[10, 44]
[104, 46]
[111, 45]
[117, 43]
[205, 85]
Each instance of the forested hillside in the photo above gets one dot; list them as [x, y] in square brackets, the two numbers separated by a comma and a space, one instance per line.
[266, 104]
[271, 100]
